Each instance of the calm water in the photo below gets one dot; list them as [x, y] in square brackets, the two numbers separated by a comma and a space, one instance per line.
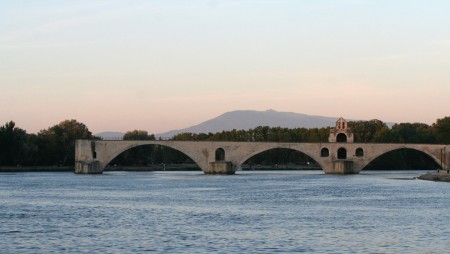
[252, 212]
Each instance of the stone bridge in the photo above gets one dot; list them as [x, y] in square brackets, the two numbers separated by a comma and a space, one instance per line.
[92, 156]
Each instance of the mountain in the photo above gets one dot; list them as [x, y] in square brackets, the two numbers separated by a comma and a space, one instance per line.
[249, 119]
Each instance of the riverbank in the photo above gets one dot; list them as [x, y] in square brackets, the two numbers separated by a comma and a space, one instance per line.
[161, 167]
[37, 169]
[441, 176]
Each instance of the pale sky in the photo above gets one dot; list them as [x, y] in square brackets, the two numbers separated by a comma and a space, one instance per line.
[163, 65]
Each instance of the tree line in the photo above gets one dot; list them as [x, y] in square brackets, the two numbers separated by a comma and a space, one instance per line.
[373, 131]
[55, 146]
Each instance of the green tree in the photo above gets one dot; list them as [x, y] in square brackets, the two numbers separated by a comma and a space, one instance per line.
[382, 135]
[56, 145]
[204, 136]
[138, 135]
[317, 135]
[442, 130]
[411, 133]
[367, 131]
[15, 148]
[185, 136]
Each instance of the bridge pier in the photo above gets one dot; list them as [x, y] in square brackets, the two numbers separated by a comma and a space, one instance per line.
[220, 167]
[341, 167]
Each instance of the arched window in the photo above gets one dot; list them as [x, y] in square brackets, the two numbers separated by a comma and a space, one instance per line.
[342, 154]
[341, 138]
[359, 152]
[220, 154]
[324, 152]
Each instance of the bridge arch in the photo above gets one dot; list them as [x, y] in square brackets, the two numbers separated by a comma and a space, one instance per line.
[425, 152]
[245, 158]
[111, 156]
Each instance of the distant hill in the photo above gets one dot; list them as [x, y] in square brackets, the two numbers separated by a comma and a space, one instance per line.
[249, 119]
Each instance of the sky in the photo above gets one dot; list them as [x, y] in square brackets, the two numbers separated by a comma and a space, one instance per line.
[160, 65]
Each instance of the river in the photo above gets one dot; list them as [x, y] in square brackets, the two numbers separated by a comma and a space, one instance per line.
[250, 212]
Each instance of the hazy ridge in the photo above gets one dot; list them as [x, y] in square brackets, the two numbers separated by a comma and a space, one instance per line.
[248, 119]
[244, 120]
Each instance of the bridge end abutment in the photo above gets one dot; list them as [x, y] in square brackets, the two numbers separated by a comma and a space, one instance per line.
[88, 167]
[86, 161]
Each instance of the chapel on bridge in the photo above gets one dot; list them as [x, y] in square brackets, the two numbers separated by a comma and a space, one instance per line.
[341, 133]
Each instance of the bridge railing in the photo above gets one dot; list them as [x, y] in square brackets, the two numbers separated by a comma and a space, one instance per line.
[121, 139]
[112, 138]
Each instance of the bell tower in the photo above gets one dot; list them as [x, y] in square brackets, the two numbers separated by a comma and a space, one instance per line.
[341, 133]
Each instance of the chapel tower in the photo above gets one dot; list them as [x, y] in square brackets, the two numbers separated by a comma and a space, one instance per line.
[341, 133]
